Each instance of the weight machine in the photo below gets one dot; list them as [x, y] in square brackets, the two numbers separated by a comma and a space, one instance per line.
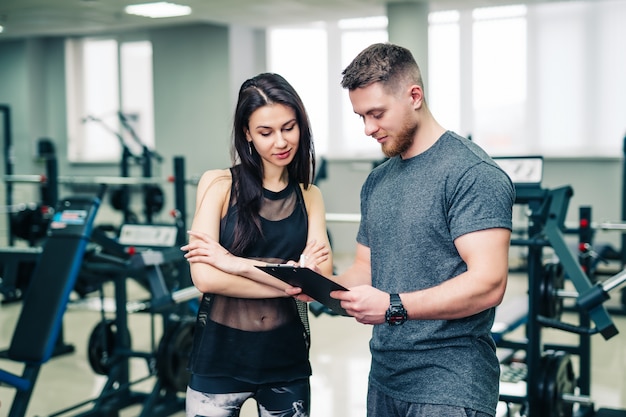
[37, 332]
[28, 221]
[551, 386]
[142, 253]
[16, 261]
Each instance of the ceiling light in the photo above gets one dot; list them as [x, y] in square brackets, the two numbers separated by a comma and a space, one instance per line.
[158, 9]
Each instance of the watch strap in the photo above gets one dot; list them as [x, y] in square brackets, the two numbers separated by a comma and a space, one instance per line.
[395, 300]
[396, 313]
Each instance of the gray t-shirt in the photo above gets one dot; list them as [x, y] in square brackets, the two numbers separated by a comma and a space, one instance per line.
[412, 210]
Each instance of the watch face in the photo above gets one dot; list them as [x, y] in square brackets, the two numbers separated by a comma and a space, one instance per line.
[396, 316]
[396, 319]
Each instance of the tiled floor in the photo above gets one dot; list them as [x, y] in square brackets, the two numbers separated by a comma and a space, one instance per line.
[339, 356]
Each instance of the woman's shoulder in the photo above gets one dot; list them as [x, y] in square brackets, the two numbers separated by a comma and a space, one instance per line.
[310, 190]
[311, 195]
[213, 174]
[215, 177]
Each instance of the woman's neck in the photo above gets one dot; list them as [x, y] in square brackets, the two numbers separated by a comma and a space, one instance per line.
[275, 180]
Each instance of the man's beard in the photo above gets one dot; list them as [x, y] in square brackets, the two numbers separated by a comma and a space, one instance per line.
[402, 142]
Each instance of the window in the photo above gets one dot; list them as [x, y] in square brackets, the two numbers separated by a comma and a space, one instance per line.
[579, 85]
[501, 74]
[443, 89]
[499, 78]
[311, 45]
[299, 55]
[137, 93]
[110, 101]
[356, 35]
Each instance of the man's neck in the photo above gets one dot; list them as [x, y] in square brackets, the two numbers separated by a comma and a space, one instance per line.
[428, 132]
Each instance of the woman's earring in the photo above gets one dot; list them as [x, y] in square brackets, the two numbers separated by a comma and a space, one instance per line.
[250, 148]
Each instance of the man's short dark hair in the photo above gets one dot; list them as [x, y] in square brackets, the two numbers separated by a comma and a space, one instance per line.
[386, 63]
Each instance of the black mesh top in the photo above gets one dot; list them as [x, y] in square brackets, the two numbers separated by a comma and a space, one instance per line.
[258, 340]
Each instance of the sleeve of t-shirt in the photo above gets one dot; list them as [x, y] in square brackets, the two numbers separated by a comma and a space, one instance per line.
[362, 235]
[482, 199]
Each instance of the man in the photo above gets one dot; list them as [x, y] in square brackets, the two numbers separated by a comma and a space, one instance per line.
[432, 250]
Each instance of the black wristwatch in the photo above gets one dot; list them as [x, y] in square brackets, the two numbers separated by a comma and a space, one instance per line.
[396, 314]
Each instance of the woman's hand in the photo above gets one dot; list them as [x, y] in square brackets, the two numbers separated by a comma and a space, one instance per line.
[313, 254]
[296, 292]
[204, 249]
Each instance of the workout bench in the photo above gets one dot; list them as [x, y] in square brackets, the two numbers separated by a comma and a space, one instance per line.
[39, 323]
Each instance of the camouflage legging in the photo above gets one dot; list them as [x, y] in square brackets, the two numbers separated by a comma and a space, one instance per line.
[283, 400]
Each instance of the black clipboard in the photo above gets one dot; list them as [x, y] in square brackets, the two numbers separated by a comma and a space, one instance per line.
[313, 284]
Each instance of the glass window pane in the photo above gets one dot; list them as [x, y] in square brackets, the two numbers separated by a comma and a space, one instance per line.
[499, 83]
[137, 93]
[611, 63]
[561, 103]
[443, 89]
[575, 116]
[101, 101]
[300, 56]
[354, 140]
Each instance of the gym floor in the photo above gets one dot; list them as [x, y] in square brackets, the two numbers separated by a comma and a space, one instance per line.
[339, 356]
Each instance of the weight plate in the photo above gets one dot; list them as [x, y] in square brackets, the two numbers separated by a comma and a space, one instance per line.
[173, 354]
[101, 346]
[154, 198]
[551, 305]
[556, 378]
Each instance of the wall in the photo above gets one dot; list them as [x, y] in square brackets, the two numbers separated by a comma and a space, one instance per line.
[192, 99]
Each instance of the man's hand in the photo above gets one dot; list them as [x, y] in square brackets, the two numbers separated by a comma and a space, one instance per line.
[365, 303]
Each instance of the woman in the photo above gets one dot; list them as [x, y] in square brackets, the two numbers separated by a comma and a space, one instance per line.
[251, 339]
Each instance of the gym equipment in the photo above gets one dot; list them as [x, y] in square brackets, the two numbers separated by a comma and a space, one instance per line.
[8, 161]
[31, 219]
[101, 345]
[120, 198]
[31, 223]
[551, 290]
[603, 251]
[17, 265]
[556, 383]
[38, 327]
[550, 382]
[173, 353]
[141, 252]
[153, 195]
[553, 231]
[591, 255]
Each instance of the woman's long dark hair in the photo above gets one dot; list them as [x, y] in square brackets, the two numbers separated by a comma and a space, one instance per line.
[254, 93]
